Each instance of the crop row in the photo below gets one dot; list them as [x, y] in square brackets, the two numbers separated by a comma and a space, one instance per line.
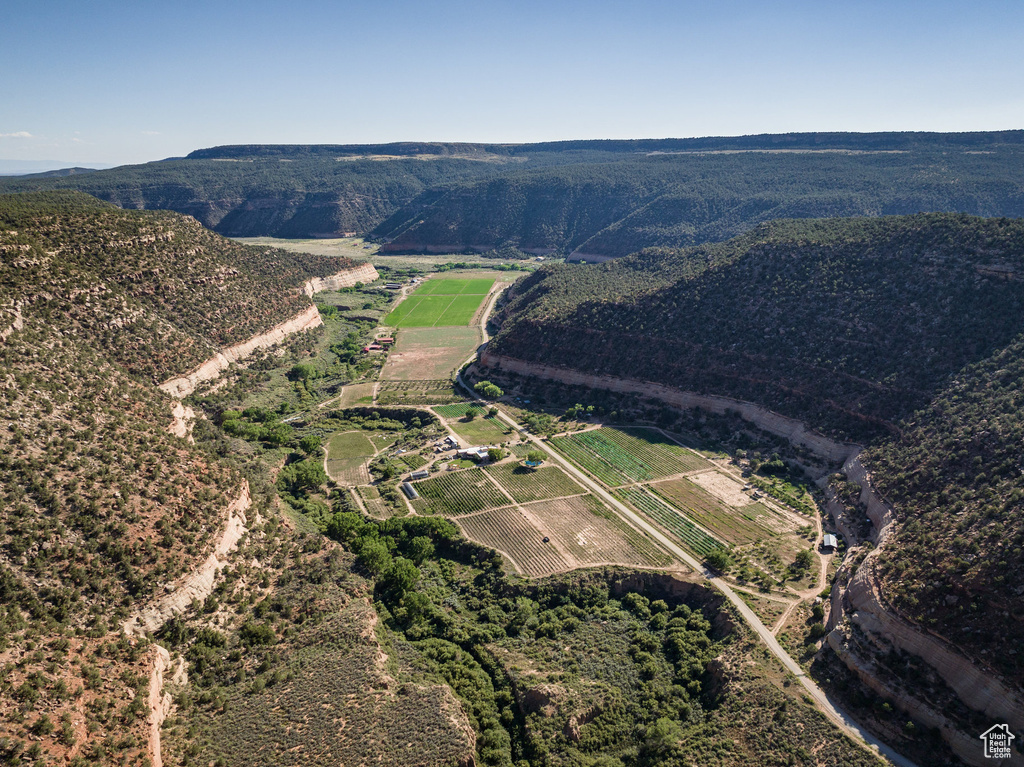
[456, 410]
[460, 492]
[734, 525]
[525, 484]
[617, 457]
[510, 533]
[660, 454]
[593, 534]
[579, 454]
[417, 386]
[692, 536]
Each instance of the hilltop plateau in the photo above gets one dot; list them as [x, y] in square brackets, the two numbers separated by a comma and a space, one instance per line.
[585, 199]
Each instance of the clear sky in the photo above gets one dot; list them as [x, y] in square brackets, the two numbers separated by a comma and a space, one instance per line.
[95, 81]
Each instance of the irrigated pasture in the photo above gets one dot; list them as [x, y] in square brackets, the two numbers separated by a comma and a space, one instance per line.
[455, 286]
[695, 539]
[525, 484]
[508, 531]
[617, 457]
[347, 453]
[457, 410]
[481, 431]
[440, 302]
[458, 492]
[738, 526]
[593, 534]
[429, 353]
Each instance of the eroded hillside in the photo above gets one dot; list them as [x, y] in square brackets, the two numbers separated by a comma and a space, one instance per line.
[103, 510]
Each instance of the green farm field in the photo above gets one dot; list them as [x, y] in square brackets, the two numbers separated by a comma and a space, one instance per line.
[460, 492]
[525, 484]
[738, 526]
[617, 456]
[455, 286]
[481, 431]
[441, 302]
[346, 457]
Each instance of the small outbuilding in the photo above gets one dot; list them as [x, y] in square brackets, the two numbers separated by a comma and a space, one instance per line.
[410, 491]
[830, 542]
[421, 474]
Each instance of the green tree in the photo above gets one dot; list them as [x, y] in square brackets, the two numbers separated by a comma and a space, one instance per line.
[400, 577]
[719, 560]
[488, 390]
[373, 554]
[302, 371]
[536, 456]
[310, 444]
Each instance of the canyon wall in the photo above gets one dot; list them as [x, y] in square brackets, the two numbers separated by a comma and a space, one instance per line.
[363, 273]
[184, 385]
[789, 428]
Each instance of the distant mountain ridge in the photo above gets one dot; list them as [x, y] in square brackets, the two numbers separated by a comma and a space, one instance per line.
[593, 199]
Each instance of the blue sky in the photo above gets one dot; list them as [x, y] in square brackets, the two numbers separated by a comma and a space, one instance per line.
[116, 82]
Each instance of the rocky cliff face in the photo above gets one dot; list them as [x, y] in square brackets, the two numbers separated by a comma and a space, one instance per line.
[788, 428]
[198, 585]
[346, 279]
[182, 386]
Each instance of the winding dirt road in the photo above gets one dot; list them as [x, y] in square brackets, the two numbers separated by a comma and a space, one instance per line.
[836, 715]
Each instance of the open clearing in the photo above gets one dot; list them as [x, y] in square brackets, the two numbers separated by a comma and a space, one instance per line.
[429, 353]
[347, 453]
[356, 394]
[441, 302]
[724, 488]
[481, 431]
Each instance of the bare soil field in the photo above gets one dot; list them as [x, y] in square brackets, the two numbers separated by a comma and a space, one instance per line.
[725, 489]
[593, 534]
[429, 353]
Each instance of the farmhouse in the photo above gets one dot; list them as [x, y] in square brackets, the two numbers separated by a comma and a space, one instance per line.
[410, 491]
[373, 348]
[385, 341]
[830, 542]
[474, 453]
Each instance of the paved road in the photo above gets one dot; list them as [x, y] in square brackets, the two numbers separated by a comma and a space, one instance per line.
[837, 716]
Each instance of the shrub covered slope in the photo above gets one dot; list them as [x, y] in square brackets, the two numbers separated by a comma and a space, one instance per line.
[100, 507]
[900, 331]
